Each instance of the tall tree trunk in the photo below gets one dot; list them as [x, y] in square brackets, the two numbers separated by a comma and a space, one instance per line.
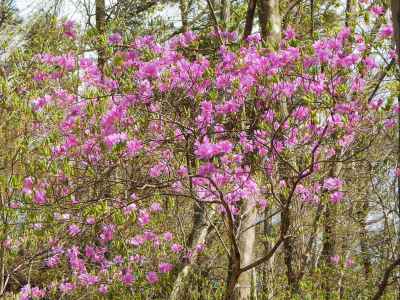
[225, 13]
[270, 21]
[268, 271]
[270, 24]
[201, 225]
[396, 26]
[100, 26]
[328, 247]
[349, 19]
[288, 252]
[395, 7]
[364, 238]
[246, 242]
[184, 7]
[248, 27]
[198, 236]
[329, 238]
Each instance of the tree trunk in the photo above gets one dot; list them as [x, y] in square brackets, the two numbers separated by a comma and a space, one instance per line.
[270, 21]
[243, 288]
[288, 252]
[349, 19]
[395, 7]
[396, 26]
[197, 236]
[329, 239]
[248, 27]
[268, 271]
[184, 7]
[100, 26]
[225, 13]
[364, 238]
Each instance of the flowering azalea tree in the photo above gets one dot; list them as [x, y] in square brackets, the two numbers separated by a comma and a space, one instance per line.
[109, 155]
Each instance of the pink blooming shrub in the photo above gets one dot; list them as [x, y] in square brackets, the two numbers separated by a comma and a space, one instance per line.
[167, 125]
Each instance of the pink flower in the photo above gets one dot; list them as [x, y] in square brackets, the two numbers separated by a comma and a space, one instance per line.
[157, 170]
[136, 258]
[115, 39]
[254, 38]
[127, 277]
[150, 70]
[370, 63]
[129, 209]
[301, 113]
[90, 220]
[176, 248]
[69, 29]
[28, 185]
[103, 289]
[7, 243]
[114, 139]
[386, 31]
[155, 207]
[152, 277]
[262, 203]
[144, 218]
[88, 279]
[73, 230]
[168, 236]
[133, 147]
[37, 226]
[224, 147]
[66, 287]
[389, 123]
[137, 240]
[207, 150]
[37, 292]
[349, 263]
[378, 10]
[165, 267]
[289, 34]
[332, 183]
[335, 259]
[336, 197]
[15, 205]
[200, 248]
[53, 261]
[39, 198]
[118, 260]
[107, 233]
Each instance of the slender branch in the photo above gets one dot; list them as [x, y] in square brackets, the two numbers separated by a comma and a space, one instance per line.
[215, 20]
[264, 258]
[385, 279]
[381, 76]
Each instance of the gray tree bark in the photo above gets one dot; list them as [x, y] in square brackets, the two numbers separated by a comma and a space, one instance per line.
[184, 7]
[225, 13]
[246, 243]
[198, 235]
[270, 21]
